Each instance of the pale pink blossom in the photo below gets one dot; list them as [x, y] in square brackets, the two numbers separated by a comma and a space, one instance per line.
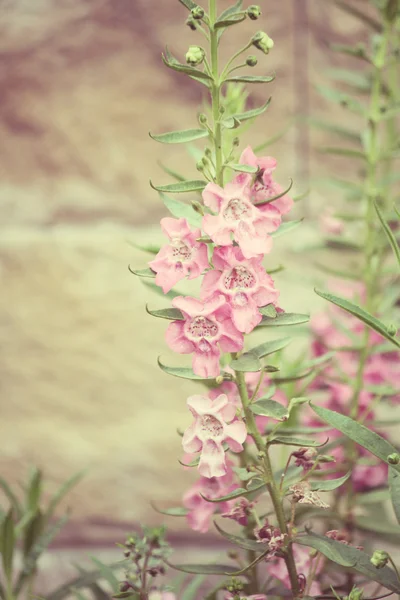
[182, 256]
[329, 223]
[240, 512]
[201, 512]
[215, 423]
[243, 282]
[237, 216]
[206, 329]
[303, 562]
[263, 187]
[159, 595]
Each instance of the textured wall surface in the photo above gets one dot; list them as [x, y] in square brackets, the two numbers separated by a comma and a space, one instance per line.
[81, 84]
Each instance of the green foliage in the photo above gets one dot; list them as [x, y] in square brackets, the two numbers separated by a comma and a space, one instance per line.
[270, 408]
[180, 137]
[389, 233]
[181, 187]
[172, 314]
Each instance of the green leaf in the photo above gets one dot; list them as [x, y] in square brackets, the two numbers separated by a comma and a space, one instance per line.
[274, 138]
[359, 81]
[360, 313]
[389, 233]
[171, 172]
[231, 123]
[34, 489]
[362, 15]
[231, 10]
[333, 128]
[155, 288]
[342, 99]
[288, 440]
[33, 531]
[142, 272]
[360, 434]
[286, 227]
[181, 187]
[269, 310]
[377, 526]
[7, 544]
[251, 78]
[276, 197]
[172, 314]
[357, 52]
[179, 209]
[170, 61]
[11, 497]
[270, 347]
[347, 556]
[180, 137]
[84, 580]
[233, 20]
[241, 542]
[243, 168]
[64, 489]
[189, 4]
[252, 113]
[270, 408]
[106, 572]
[177, 511]
[191, 590]
[343, 152]
[198, 569]
[284, 319]
[248, 362]
[238, 493]
[329, 484]
[185, 373]
[394, 487]
[151, 248]
[25, 521]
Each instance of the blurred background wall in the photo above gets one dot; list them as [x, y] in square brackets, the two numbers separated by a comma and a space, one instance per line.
[81, 84]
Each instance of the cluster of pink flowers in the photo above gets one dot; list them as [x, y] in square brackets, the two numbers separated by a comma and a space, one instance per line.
[239, 220]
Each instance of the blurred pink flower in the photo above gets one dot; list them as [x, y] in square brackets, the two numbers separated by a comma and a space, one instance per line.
[264, 187]
[214, 423]
[238, 216]
[240, 512]
[303, 564]
[244, 283]
[182, 257]
[158, 595]
[329, 223]
[207, 327]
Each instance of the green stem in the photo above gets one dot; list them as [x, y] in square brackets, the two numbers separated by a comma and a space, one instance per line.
[269, 478]
[216, 94]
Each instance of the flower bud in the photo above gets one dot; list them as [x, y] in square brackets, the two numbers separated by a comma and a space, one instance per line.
[200, 166]
[236, 141]
[380, 559]
[355, 594]
[202, 119]
[251, 61]
[198, 207]
[392, 329]
[254, 12]
[262, 41]
[195, 55]
[219, 379]
[393, 459]
[191, 23]
[325, 458]
[197, 13]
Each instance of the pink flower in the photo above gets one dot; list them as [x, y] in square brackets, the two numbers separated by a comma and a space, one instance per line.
[240, 512]
[214, 424]
[264, 187]
[305, 458]
[207, 327]
[200, 511]
[329, 223]
[303, 564]
[158, 595]
[238, 216]
[182, 257]
[272, 536]
[243, 282]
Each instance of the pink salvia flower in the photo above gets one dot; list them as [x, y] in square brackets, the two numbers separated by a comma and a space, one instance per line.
[206, 328]
[200, 511]
[182, 256]
[214, 423]
[264, 187]
[240, 512]
[237, 215]
[244, 283]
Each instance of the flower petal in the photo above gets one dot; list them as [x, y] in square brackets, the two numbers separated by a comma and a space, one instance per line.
[212, 461]
[176, 339]
[213, 195]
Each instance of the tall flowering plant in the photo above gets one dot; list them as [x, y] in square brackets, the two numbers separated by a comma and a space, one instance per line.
[223, 240]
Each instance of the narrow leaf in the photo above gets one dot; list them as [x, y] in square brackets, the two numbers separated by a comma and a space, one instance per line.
[243, 168]
[252, 113]
[286, 227]
[251, 78]
[347, 556]
[198, 569]
[151, 248]
[360, 434]
[180, 137]
[233, 20]
[361, 314]
[170, 61]
[172, 314]
[333, 128]
[329, 484]
[394, 487]
[248, 362]
[12, 498]
[270, 408]
[283, 319]
[142, 272]
[270, 347]
[179, 209]
[7, 544]
[177, 511]
[106, 572]
[389, 233]
[191, 590]
[269, 310]
[181, 187]
[362, 15]
[231, 10]
[171, 172]
[287, 440]
[276, 197]
[185, 373]
[343, 152]
[238, 493]
[189, 4]
[239, 541]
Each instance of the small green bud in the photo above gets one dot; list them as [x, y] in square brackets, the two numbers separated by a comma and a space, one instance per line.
[262, 41]
[251, 61]
[200, 165]
[260, 455]
[236, 142]
[197, 13]
[356, 594]
[380, 559]
[221, 110]
[202, 119]
[197, 206]
[191, 23]
[393, 459]
[208, 152]
[392, 330]
[254, 12]
[325, 458]
[313, 553]
[195, 55]
[219, 379]
[205, 161]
